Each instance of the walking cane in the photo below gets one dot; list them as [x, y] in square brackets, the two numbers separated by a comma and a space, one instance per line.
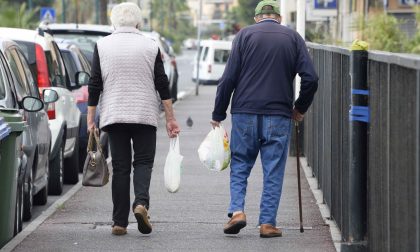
[298, 175]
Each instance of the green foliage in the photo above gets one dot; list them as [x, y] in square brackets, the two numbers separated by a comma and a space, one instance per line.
[382, 32]
[23, 18]
[413, 45]
[171, 19]
[243, 14]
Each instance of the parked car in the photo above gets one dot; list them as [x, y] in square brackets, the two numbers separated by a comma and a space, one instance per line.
[18, 90]
[213, 55]
[190, 44]
[85, 36]
[76, 62]
[49, 70]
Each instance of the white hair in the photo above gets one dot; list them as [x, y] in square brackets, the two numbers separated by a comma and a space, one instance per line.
[126, 14]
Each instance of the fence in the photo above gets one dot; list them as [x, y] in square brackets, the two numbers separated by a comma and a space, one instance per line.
[385, 215]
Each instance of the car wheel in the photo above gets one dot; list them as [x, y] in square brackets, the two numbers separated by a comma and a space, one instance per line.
[55, 181]
[71, 165]
[41, 197]
[28, 196]
[19, 210]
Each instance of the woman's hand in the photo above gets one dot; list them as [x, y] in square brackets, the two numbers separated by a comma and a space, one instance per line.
[172, 128]
[91, 118]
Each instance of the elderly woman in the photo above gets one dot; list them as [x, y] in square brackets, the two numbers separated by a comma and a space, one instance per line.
[127, 69]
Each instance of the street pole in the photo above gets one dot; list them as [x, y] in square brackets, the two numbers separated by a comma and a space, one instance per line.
[283, 12]
[300, 28]
[97, 11]
[200, 13]
[63, 6]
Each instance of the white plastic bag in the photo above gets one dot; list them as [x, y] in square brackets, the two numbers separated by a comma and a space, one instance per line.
[214, 151]
[172, 170]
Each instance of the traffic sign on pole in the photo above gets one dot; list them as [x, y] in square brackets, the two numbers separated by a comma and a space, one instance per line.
[47, 14]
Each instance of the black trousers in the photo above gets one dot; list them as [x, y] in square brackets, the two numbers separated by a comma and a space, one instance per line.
[144, 146]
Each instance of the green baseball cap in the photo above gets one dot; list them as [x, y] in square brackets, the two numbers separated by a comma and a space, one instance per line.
[259, 9]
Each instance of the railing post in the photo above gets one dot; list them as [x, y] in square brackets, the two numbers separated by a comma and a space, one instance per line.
[358, 122]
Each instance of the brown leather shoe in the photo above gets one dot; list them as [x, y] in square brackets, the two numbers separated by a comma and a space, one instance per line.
[235, 224]
[268, 231]
[117, 230]
[143, 224]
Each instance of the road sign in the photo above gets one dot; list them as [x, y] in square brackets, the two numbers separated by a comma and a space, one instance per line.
[47, 14]
[325, 4]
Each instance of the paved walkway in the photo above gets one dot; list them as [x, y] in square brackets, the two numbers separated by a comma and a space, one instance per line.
[191, 219]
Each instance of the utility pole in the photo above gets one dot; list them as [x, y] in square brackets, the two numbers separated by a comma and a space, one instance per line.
[200, 14]
[300, 28]
[103, 12]
[63, 14]
[283, 12]
[97, 17]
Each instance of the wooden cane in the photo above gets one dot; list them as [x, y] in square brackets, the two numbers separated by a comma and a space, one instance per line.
[298, 175]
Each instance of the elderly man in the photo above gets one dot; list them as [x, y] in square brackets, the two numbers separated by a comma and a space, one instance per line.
[127, 69]
[264, 60]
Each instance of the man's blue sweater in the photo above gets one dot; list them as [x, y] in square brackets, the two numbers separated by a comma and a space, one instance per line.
[263, 63]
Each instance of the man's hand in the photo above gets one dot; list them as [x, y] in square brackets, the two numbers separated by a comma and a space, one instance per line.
[214, 124]
[297, 116]
[172, 128]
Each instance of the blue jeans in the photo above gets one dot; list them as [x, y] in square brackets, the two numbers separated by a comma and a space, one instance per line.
[251, 134]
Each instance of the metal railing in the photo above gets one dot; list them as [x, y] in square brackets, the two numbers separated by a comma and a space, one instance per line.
[387, 187]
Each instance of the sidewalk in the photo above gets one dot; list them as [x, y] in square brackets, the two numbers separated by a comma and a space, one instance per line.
[191, 219]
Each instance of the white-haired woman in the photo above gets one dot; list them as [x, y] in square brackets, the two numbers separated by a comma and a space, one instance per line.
[127, 70]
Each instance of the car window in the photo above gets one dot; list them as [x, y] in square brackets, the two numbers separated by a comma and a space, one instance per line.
[71, 66]
[84, 62]
[29, 76]
[22, 87]
[206, 51]
[3, 82]
[28, 49]
[84, 41]
[221, 56]
[55, 65]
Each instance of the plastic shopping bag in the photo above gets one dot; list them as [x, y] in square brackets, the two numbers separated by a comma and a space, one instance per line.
[214, 151]
[172, 170]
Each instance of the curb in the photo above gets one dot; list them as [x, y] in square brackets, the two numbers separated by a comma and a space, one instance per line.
[12, 244]
[323, 208]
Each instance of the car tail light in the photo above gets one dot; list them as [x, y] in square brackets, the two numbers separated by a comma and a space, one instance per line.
[51, 111]
[209, 68]
[41, 67]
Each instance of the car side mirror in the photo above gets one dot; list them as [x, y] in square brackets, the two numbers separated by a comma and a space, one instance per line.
[49, 95]
[59, 80]
[32, 104]
[82, 78]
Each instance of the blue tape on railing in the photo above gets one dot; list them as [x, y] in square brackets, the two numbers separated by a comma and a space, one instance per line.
[360, 91]
[359, 113]
[4, 129]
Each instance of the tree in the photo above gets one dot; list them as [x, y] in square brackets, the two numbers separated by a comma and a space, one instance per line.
[243, 14]
[170, 19]
[23, 18]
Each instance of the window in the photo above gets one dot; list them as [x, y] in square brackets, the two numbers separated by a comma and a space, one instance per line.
[56, 67]
[206, 51]
[22, 87]
[3, 82]
[71, 66]
[28, 74]
[221, 56]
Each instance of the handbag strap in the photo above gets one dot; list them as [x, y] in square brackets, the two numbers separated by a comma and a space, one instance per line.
[94, 136]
